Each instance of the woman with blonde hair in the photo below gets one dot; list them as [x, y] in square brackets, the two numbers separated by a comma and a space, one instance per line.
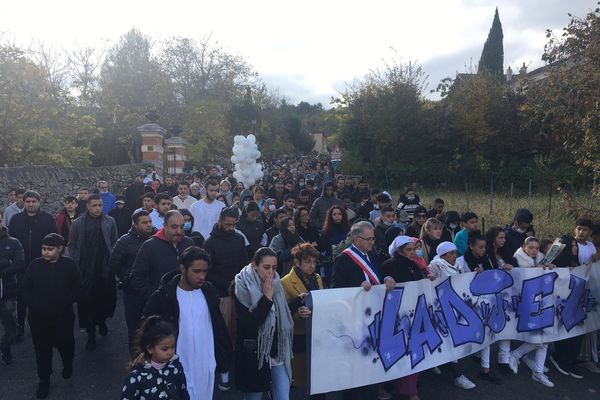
[431, 237]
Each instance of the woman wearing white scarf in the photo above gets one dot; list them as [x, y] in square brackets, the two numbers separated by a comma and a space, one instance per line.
[265, 330]
[444, 263]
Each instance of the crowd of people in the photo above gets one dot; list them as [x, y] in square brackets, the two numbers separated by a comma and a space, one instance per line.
[214, 273]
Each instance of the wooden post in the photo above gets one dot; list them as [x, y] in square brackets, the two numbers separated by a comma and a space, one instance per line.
[550, 202]
[467, 195]
[512, 187]
[491, 197]
[529, 200]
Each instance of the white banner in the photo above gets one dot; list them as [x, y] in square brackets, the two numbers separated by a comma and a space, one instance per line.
[371, 337]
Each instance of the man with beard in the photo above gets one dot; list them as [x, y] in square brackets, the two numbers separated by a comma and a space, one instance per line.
[190, 303]
[159, 255]
[108, 199]
[206, 211]
[91, 240]
[29, 227]
[120, 263]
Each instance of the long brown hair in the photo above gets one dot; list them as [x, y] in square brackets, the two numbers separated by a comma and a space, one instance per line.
[329, 225]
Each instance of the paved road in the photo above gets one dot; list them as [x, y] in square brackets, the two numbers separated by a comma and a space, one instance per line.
[98, 376]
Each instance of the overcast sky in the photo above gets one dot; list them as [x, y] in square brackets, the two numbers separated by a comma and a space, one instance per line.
[307, 50]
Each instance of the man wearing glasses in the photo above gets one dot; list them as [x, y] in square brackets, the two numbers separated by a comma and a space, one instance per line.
[357, 266]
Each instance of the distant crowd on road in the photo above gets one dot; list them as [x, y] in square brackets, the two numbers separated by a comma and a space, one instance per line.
[214, 273]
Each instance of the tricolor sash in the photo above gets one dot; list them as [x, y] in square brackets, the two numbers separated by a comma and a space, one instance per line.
[370, 275]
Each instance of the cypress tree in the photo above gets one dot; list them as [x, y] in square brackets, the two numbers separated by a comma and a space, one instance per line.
[492, 56]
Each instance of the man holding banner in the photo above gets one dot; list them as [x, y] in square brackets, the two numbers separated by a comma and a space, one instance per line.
[357, 266]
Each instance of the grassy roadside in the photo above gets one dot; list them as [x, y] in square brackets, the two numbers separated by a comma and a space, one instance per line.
[552, 216]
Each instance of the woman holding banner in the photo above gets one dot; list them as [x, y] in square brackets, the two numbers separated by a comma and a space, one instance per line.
[402, 268]
[296, 284]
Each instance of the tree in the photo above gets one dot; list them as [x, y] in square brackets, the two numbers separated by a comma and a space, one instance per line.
[131, 83]
[382, 127]
[39, 122]
[492, 56]
[567, 100]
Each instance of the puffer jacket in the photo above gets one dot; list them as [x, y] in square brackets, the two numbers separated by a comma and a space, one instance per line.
[156, 257]
[123, 255]
[12, 262]
[228, 256]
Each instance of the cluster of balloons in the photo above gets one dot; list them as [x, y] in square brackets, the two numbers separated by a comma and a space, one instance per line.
[245, 154]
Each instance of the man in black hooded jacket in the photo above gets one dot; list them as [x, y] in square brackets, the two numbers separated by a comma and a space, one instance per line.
[120, 263]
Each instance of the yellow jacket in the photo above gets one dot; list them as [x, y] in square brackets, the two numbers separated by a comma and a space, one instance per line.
[293, 287]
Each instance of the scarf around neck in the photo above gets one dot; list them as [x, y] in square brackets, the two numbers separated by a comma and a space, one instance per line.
[248, 291]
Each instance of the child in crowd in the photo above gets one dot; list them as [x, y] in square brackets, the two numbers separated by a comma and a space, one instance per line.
[156, 372]
[529, 256]
[50, 287]
[470, 222]
[443, 266]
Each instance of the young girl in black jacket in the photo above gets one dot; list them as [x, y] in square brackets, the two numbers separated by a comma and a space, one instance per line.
[156, 372]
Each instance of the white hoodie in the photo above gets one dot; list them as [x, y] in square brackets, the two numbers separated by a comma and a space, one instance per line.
[526, 261]
[441, 268]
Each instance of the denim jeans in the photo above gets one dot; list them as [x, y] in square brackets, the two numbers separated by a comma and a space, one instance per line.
[280, 385]
[8, 318]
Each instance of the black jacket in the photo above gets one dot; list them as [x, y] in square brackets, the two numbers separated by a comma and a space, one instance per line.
[253, 231]
[401, 269]
[346, 273]
[228, 256]
[122, 217]
[123, 255]
[30, 231]
[49, 288]
[12, 262]
[163, 302]
[248, 378]
[156, 257]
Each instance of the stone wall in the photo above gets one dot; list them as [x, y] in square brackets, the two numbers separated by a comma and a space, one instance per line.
[54, 183]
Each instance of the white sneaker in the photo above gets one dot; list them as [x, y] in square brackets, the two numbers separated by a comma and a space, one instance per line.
[543, 379]
[513, 363]
[464, 383]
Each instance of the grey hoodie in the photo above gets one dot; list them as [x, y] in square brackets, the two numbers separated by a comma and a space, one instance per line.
[9, 212]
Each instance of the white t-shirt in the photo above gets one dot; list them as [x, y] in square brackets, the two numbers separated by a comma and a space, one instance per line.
[586, 252]
[205, 216]
[181, 204]
[157, 220]
[195, 343]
